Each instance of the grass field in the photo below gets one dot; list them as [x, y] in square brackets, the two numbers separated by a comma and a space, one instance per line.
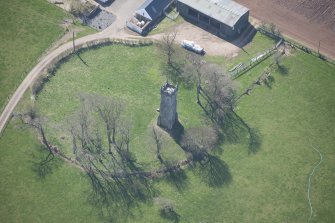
[28, 28]
[27, 198]
[259, 45]
[166, 24]
[269, 185]
[136, 83]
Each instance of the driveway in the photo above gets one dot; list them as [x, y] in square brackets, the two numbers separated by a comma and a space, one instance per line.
[123, 10]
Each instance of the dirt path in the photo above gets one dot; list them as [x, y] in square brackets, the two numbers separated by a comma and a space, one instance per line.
[294, 24]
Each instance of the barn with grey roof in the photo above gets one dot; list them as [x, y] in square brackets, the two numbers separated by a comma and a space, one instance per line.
[224, 18]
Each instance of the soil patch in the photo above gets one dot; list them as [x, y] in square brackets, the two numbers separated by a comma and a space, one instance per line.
[212, 44]
[308, 21]
[320, 11]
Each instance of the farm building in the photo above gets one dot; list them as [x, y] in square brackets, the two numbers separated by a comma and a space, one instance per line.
[148, 15]
[224, 18]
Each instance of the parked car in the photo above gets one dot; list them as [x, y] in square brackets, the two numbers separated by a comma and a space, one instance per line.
[192, 46]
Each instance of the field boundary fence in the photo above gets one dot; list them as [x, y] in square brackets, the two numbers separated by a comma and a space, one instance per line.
[297, 45]
[242, 68]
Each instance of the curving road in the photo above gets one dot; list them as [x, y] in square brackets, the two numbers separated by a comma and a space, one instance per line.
[33, 74]
[121, 9]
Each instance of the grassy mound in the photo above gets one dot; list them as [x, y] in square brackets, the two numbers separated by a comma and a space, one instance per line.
[130, 74]
[267, 184]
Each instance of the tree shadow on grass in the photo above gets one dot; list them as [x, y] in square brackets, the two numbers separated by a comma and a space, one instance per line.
[215, 172]
[178, 179]
[177, 132]
[269, 82]
[255, 141]
[117, 196]
[167, 209]
[283, 70]
[81, 59]
[174, 72]
[44, 164]
[170, 215]
[233, 129]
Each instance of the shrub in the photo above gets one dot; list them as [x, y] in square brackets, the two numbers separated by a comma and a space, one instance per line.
[167, 210]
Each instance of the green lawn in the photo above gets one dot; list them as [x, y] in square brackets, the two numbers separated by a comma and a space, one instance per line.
[27, 198]
[260, 43]
[166, 25]
[136, 83]
[270, 185]
[28, 28]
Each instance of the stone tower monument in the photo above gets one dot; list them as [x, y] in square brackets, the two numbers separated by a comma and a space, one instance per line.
[168, 109]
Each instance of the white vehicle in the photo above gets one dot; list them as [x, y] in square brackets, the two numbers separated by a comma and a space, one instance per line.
[192, 46]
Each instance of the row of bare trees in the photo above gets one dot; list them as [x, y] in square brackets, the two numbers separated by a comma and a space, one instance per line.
[101, 143]
[101, 133]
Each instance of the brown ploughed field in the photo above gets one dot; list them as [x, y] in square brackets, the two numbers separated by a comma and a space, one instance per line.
[308, 21]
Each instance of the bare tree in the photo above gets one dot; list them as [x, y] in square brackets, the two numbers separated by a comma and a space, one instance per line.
[168, 46]
[220, 88]
[173, 68]
[116, 182]
[196, 64]
[87, 137]
[125, 128]
[110, 111]
[113, 175]
[33, 119]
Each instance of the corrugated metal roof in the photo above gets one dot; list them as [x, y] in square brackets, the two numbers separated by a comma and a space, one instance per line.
[151, 9]
[225, 11]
